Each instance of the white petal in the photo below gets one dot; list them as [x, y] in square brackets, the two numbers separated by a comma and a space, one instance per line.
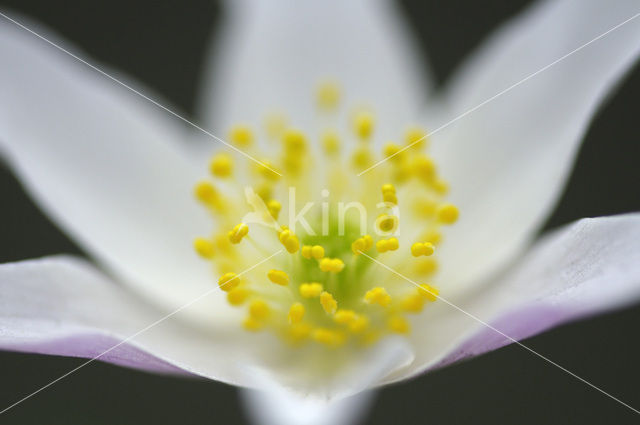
[63, 306]
[583, 269]
[508, 160]
[103, 163]
[279, 407]
[271, 54]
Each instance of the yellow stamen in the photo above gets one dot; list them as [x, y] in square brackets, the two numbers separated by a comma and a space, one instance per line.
[278, 277]
[387, 223]
[329, 304]
[204, 247]
[378, 296]
[422, 248]
[221, 165]
[334, 265]
[398, 324]
[363, 123]
[384, 245]
[241, 135]
[238, 232]
[228, 281]
[330, 142]
[289, 240]
[329, 337]
[310, 290]
[259, 310]
[429, 292]
[237, 296]
[296, 313]
[448, 214]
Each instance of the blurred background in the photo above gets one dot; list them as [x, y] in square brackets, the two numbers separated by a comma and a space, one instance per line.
[162, 45]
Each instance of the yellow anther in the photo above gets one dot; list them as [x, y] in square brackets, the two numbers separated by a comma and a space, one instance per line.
[387, 223]
[264, 191]
[378, 296]
[390, 198]
[310, 290]
[237, 296]
[329, 304]
[334, 265]
[422, 248]
[275, 124]
[259, 310]
[252, 324]
[274, 208]
[344, 317]
[221, 165]
[278, 277]
[448, 214]
[238, 232]
[429, 292]
[425, 207]
[330, 142]
[424, 168]
[384, 245]
[299, 331]
[388, 188]
[433, 236]
[416, 138]
[362, 158]
[228, 281]
[359, 324]
[362, 244]
[317, 252]
[426, 266]
[305, 251]
[203, 247]
[393, 151]
[329, 337]
[289, 240]
[267, 170]
[440, 186]
[296, 313]
[328, 95]
[413, 303]
[398, 324]
[241, 135]
[206, 193]
[294, 141]
[363, 124]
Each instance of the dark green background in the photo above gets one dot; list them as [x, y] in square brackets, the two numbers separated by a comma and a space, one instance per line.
[161, 44]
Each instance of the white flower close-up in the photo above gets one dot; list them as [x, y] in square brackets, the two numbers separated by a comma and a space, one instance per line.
[204, 259]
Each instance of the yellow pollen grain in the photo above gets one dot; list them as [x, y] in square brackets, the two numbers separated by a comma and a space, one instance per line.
[274, 208]
[393, 152]
[296, 313]
[330, 142]
[206, 193]
[387, 223]
[289, 240]
[416, 138]
[228, 281]
[360, 324]
[241, 135]
[378, 296]
[238, 232]
[237, 296]
[328, 303]
[317, 252]
[384, 245]
[221, 165]
[363, 124]
[362, 244]
[259, 310]
[278, 277]
[398, 324]
[310, 290]
[362, 158]
[448, 214]
[424, 168]
[334, 265]
[328, 95]
[413, 303]
[252, 324]
[429, 292]
[203, 247]
[344, 317]
[299, 331]
[329, 337]
[422, 248]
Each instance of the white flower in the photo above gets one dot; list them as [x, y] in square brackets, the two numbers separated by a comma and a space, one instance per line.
[112, 170]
